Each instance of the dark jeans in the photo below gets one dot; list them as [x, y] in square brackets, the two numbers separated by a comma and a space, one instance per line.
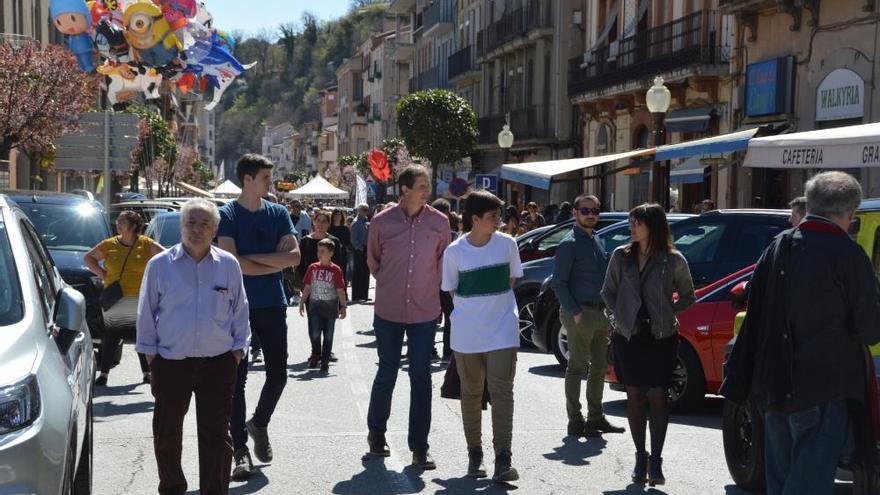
[173, 384]
[321, 326]
[270, 326]
[446, 307]
[802, 449]
[110, 342]
[360, 282]
[389, 340]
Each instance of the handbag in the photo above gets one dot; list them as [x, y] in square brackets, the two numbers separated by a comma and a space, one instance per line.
[113, 292]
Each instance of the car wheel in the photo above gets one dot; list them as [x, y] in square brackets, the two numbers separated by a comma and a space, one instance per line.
[743, 433]
[82, 483]
[525, 303]
[688, 382]
[559, 341]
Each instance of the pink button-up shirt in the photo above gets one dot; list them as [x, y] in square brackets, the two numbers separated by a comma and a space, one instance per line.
[405, 255]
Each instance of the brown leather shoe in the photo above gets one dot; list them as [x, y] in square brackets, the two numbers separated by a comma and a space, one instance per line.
[423, 460]
[378, 446]
[602, 425]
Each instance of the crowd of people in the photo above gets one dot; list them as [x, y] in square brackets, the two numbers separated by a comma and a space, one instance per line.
[198, 308]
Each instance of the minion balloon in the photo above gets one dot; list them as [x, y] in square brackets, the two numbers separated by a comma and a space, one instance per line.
[72, 17]
[150, 35]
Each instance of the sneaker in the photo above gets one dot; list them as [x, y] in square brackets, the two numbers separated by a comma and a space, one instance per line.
[101, 381]
[602, 425]
[313, 361]
[476, 469]
[333, 358]
[243, 465]
[257, 356]
[504, 472]
[423, 460]
[260, 436]
[378, 446]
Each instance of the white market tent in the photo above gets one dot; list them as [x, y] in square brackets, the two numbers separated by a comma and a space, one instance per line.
[227, 188]
[319, 188]
[844, 147]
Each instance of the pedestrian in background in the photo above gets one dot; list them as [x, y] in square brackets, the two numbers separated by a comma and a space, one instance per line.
[801, 353]
[564, 212]
[531, 219]
[193, 328]
[638, 291]
[340, 231]
[324, 292]
[125, 258]
[479, 270]
[261, 237]
[405, 252]
[512, 224]
[360, 281]
[798, 210]
[578, 275]
[301, 221]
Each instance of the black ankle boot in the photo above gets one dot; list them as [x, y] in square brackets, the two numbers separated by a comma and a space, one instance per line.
[378, 446]
[655, 471]
[504, 473]
[475, 463]
[640, 472]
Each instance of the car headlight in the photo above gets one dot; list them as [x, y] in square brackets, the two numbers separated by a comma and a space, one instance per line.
[19, 405]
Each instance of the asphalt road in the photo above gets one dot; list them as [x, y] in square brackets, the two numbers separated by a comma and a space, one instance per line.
[319, 433]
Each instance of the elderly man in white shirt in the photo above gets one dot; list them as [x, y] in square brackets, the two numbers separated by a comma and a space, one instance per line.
[193, 327]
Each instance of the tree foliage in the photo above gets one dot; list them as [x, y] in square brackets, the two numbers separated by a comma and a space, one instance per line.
[438, 125]
[42, 93]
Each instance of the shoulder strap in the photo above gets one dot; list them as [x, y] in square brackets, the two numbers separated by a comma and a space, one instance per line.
[121, 271]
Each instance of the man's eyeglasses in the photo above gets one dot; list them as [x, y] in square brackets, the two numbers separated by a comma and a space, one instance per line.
[590, 211]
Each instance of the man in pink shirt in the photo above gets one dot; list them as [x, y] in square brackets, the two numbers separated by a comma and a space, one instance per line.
[405, 254]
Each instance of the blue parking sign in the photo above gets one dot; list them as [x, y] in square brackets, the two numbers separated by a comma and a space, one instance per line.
[488, 182]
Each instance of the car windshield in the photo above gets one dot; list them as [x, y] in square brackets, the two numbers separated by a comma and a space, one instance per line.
[165, 229]
[78, 227]
[11, 301]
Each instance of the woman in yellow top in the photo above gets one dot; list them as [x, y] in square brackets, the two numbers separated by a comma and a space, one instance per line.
[132, 250]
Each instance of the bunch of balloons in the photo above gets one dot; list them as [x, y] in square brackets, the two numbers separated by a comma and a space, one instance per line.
[143, 42]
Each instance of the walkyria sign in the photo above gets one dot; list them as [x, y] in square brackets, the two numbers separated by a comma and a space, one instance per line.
[841, 95]
[854, 146]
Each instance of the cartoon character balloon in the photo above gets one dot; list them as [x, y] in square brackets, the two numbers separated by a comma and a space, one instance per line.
[72, 17]
[150, 35]
[108, 34]
[123, 78]
[176, 12]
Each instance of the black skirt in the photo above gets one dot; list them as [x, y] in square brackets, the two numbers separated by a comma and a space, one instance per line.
[643, 360]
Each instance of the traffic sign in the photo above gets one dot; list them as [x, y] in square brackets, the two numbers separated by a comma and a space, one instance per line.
[103, 137]
[488, 182]
[458, 187]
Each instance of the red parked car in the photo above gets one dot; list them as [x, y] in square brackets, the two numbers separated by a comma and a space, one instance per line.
[706, 328]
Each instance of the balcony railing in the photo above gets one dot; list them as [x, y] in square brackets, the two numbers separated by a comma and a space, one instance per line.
[430, 79]
[462, 61]
[516, 24]
[687, 41]
[441, 11]
[534, 122]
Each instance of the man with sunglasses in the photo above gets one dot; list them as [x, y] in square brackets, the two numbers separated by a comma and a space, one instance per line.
[578, 275]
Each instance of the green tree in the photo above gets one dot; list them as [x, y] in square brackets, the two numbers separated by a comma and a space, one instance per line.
[438, 125]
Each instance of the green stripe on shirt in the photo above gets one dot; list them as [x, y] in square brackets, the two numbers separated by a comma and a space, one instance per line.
[484, 281]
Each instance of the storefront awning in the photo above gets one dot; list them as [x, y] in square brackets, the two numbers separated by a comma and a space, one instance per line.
[541, 174]
[689, 171]
[689, 119]
[844, 147]
[726, 143]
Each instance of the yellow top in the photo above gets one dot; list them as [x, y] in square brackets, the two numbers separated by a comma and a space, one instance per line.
[114, 256]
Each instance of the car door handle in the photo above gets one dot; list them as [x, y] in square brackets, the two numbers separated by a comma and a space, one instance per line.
[704, 328]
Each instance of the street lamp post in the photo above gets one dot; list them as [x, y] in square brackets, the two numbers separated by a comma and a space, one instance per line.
[505, 141]
[657, 99]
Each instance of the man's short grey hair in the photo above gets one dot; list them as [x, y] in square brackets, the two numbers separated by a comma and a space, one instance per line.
[833, 195]
[200, 204]
[799, 205]
[585, 197]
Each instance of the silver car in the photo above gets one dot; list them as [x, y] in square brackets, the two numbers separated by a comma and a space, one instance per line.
[46, 369]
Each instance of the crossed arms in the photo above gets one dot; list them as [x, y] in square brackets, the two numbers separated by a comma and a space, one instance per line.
[286, 255]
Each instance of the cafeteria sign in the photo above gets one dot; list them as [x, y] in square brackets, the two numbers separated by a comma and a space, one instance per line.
[841, 95]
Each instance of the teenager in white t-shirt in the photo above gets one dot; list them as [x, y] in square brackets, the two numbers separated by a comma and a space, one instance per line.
[479, 270]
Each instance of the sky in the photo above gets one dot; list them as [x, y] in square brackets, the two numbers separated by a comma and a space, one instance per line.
[250, 16]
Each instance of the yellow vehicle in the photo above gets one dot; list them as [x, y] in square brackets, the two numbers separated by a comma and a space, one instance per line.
[742, 426]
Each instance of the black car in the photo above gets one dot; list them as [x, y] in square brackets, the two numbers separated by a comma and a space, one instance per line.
[541, 242]
[70, 226]
[715, 244]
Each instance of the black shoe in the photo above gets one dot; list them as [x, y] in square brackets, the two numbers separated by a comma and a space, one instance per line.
[333, 358]
[260, 436]
[378, 446]
[504, 473]
[602, 425]
[435, 357]
[325, 365]
[243, 465]
[423, 460]
[257, 356]
[314, 361]
[578, 428]
[640, 472]
[101, 381]
[655, 471]
[147, 378]
[476, 469]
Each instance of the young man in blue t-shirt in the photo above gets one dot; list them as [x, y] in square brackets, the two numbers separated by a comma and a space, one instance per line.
[260, 235]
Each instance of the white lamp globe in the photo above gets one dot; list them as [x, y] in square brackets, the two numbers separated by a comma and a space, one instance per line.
[505, 137]
[658, 97]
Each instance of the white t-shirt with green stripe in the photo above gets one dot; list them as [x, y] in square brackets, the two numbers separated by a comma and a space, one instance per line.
[485, 317]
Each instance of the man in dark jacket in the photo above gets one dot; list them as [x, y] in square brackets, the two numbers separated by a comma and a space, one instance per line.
[801, 354]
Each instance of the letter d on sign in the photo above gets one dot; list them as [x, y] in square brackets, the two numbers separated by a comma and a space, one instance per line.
[485, 183]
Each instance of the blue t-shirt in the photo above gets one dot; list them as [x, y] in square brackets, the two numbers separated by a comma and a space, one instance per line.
[257, 232]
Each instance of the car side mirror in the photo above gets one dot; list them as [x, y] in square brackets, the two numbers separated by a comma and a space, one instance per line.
[70, 312]
[738, 296]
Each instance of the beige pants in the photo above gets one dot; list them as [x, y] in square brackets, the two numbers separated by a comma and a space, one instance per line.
[475, 370]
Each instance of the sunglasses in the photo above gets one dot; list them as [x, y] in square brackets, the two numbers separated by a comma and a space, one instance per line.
[590, 211]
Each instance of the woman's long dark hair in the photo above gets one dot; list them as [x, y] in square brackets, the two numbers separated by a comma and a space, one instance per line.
[652, 216]
[333, 216]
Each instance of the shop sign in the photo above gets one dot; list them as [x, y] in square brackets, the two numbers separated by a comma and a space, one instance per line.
[841, 95]
[769, 86]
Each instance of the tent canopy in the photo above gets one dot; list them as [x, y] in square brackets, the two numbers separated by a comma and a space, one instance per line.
[725, 143]
[844, 147]
[318, 187]
[541, 174]
[227, 188]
